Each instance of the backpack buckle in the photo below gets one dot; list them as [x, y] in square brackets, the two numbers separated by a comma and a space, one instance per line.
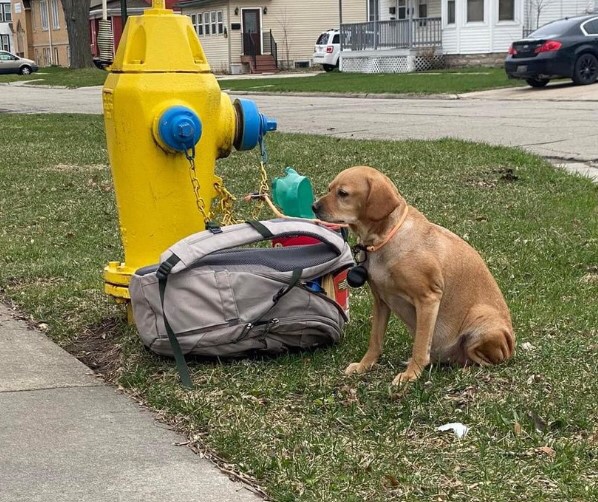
[213, 227]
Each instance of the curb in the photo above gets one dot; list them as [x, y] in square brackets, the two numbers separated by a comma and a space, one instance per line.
[444, 97]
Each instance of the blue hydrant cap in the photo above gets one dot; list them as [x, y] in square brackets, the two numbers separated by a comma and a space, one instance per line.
[179, 128]
[254, 125]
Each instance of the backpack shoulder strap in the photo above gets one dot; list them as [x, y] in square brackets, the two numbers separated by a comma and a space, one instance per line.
[179, 358]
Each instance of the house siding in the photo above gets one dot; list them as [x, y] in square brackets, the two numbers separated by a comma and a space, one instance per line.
[295, 27]
[555, 9]
[215, 46]
[50, 46]
[489, 36]
[304, 21]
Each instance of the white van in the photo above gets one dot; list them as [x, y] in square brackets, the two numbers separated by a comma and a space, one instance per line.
[327, 50]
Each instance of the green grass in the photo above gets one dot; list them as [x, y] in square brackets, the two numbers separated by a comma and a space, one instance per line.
[295, 423]
[435, 82]
[58, 76]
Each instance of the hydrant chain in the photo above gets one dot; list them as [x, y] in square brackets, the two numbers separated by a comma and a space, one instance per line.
[201, 205]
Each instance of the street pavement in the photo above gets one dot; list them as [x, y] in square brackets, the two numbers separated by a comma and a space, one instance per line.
[558, 123]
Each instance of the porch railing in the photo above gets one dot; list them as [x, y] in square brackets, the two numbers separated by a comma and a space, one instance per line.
[270, 46]
[250, 48]
[397, 34]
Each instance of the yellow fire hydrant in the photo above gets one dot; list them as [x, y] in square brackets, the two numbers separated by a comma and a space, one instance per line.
[167, 122]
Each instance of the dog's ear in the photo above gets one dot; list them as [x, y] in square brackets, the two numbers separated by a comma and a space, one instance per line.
[382, 199]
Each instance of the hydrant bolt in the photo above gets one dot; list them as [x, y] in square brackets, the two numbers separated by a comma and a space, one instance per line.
[179, 128]
[185, 130]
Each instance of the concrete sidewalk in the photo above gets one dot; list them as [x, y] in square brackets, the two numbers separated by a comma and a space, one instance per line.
[67, 436]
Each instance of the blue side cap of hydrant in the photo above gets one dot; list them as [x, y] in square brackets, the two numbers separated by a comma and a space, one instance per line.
[254, 124]
[179, 128]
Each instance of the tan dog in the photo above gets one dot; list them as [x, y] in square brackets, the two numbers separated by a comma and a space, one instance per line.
[433, 280]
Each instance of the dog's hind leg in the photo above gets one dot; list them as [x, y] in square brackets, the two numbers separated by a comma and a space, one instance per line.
[491, 346]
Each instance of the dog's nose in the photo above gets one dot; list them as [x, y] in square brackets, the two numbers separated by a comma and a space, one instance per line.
[315, 207]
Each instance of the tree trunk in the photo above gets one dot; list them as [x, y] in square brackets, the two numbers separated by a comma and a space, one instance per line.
[76, 14]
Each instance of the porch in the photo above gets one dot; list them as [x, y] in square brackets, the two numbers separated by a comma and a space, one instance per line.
[396, 34]
[395, 46]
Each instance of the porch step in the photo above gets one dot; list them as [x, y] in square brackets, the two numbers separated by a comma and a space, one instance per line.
[264, 63]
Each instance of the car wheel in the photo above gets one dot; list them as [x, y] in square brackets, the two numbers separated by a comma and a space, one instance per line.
[328, 67]
[25, 70]
[586, 69]
[537, 82]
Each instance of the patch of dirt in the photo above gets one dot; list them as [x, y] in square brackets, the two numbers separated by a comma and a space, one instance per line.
[98, 348]
[490, 179]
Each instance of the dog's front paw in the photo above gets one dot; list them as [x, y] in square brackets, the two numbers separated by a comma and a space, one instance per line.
[355, 368]
[405, 377]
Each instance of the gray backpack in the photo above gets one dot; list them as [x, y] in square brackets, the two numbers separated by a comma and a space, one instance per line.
[209, 296]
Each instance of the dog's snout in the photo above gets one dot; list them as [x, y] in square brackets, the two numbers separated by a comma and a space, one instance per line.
[315, 207]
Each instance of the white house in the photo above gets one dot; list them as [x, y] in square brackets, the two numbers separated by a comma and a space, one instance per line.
[263, 35]
[408, 35]
[6, 43]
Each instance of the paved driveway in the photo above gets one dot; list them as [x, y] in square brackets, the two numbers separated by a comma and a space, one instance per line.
[549, 122]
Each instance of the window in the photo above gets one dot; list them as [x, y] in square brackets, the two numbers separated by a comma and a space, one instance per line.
[199, 26]
[4, 43]
[506, 10]
[43, 13]
[422, 10]
[5, 14]
[46, 56]
[591, 27]
[55, 18]
[373, 10]
[206, 23]
[475, 11]
[450, 12]
[402, 9]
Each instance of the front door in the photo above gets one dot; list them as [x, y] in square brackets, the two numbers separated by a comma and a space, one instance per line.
[252, 32]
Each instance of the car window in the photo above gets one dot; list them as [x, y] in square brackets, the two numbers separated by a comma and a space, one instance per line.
[336, 39]
[591, 27]
[555, 29]
[5, 57]
[322, 39]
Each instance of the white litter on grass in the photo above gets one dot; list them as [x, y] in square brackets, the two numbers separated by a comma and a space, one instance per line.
[458, 428]
[527, 346]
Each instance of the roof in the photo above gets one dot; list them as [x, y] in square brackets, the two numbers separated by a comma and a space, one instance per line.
[192, 3]
[133, 7]
[97, 4]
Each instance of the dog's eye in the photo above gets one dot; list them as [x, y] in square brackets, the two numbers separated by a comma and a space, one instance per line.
[342, 193]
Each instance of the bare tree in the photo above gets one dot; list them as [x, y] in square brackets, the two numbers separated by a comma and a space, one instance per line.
[536, 7]
[285, 25]
[76, 14]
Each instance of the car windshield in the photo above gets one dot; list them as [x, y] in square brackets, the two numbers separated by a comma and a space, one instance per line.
[322, 39]
[556, 29]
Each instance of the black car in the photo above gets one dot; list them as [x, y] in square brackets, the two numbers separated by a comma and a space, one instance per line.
[564, 48]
